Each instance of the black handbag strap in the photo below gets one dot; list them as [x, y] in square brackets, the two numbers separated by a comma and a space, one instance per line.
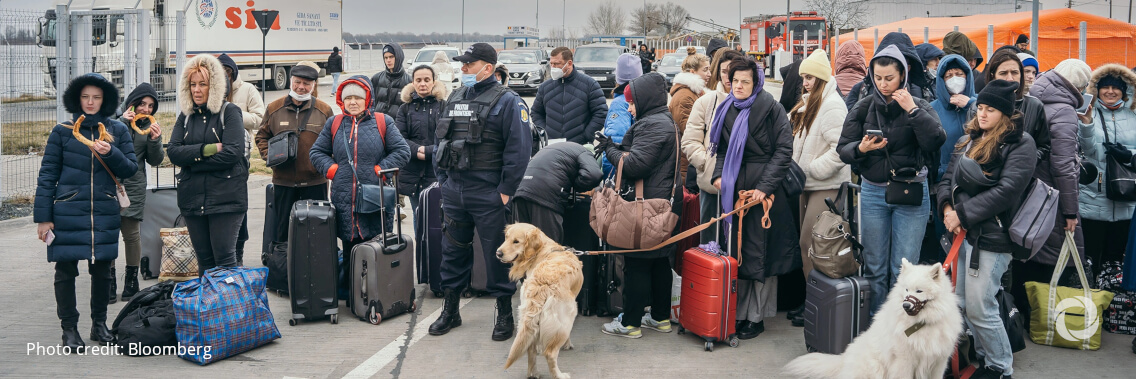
[304, 124]
[1103, 128]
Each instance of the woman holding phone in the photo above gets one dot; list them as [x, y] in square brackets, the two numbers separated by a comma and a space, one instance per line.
[140, 107]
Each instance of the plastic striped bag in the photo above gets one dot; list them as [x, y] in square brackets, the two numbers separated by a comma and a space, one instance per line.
[222, 314]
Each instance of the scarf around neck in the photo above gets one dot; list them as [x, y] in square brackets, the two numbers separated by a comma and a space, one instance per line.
[736, 148]
[1112, 107]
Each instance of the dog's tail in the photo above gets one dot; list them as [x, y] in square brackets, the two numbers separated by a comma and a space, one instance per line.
[816, 365]
[527, 332]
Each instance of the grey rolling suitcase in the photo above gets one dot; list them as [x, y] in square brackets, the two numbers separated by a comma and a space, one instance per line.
[478, 276]
[837, 310]
[313, 262]
[160, 211]
[382, 273]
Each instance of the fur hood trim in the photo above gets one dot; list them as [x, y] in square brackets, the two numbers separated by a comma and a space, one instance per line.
[218, 84]
[71, 95]
[1115, 70]
[691, 81]
[441, 91]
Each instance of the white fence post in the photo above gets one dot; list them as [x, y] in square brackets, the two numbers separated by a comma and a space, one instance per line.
[179, 37]
[926, 34]
[129, 55]
[1082, 50]
[62, 57]
[144, 47]
[876, 40]
[989, 41]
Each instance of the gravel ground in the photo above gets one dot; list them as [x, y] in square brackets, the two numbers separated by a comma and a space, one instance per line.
[15, 210]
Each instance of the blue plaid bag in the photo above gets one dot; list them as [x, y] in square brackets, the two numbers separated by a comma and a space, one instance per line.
[222, 314]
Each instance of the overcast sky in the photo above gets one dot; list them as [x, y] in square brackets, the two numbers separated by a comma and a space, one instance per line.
[492, 16]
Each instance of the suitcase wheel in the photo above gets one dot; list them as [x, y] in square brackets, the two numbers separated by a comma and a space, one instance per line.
[373, 316]
[709, 346]
[334, 319]
[292, 322]
[681, 330]
[734, 341]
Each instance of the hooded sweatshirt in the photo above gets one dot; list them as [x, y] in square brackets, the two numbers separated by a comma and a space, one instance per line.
[909, 135]
[244, 95]
[850, 66]
[443, 71]
[916, 78]
[388, 83]
[146, 150]
[928, 52]
[952, 117]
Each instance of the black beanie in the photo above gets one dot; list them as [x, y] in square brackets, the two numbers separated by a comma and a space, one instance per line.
[1113, 81]
[1022, 38]
[999, 94]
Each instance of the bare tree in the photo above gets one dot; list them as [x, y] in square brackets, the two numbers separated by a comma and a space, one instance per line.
[672, 18]
[607, 19]
[841, 14]
[645, 19]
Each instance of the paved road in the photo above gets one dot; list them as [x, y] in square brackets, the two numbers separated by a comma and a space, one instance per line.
[399, 347]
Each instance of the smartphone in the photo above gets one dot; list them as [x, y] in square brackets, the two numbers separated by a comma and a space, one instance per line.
[1086, 105]
[878, 134]
[50, 237]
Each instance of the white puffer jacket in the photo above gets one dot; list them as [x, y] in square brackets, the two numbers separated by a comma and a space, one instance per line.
[816, 152]
[696, 138]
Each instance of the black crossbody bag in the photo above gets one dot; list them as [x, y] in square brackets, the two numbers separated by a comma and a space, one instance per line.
[1121, 176]
[904, 185]
[283, 147]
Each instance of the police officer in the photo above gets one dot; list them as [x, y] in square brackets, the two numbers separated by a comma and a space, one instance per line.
[484, 143]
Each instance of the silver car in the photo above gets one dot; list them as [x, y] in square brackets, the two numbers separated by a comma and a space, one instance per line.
[670, 65]
[527, 68]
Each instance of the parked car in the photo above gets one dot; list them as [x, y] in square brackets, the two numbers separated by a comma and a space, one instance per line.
[528, 68]
[598, 61]
[670, 65]
[425, 56]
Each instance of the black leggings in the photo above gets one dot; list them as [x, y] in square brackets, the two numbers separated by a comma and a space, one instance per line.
[65, 299]
[646, 282]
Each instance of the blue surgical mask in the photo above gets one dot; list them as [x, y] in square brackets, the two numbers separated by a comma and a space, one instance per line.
[469, 80]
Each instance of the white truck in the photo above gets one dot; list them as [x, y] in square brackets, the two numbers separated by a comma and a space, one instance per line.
[306, 30]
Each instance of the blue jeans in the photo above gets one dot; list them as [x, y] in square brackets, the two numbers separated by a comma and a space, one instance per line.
[980, 306]
[889, 233]
[334, 83]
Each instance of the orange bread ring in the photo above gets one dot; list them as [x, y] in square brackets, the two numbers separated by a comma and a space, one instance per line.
[142, 116]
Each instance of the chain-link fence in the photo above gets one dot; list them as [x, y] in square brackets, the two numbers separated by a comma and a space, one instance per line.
[27, 102]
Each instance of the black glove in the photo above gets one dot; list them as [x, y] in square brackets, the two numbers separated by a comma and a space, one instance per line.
[601, 143]
[1118, 152]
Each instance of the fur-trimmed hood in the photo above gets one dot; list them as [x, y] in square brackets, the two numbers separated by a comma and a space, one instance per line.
[1115, 70]
[689, 80]
[218, 84]
[110, 94]
[441, 91]
[360, 80]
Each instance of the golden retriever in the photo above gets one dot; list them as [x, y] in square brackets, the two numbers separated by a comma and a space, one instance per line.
[553, 277]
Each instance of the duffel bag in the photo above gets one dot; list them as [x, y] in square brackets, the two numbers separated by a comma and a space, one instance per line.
[147, 320]
[223, 313]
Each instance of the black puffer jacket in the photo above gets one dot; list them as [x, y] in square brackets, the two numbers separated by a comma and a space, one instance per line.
[911, 138]
[557, 169]
[417, 119]
[335, 62]
[649, 149]
[986, 214]
[388, 84]
[572, 108]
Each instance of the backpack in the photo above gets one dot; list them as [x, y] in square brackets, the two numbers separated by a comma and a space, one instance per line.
[380, 123]
[147, 320]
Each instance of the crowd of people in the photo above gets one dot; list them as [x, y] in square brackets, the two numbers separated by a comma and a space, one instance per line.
[963, 141]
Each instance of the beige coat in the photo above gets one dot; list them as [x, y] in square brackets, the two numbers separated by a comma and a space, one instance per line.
[246, 97]
[816, 151]
[696, 138]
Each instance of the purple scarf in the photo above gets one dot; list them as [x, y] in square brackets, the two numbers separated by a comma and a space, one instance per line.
[736, 149]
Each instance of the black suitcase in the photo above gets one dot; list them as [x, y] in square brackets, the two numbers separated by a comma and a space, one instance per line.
[270, 233]
[837, 310]
[428, 230]
[382, 272]
[313, 262]
[161, 211]
[580, 236]
[479, 275]
[609, 301]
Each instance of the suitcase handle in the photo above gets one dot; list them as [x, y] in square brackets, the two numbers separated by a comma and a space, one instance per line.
[393, 173]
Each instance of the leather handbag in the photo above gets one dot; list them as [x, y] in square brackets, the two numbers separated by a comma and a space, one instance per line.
[283, 147]
[904, 185]
[832, 250]
[1121, 176]
[631, 224]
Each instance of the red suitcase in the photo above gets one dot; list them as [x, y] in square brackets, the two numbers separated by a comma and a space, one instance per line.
[691, 217]
[709, 296]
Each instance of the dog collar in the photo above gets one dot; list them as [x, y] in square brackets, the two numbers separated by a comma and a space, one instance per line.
[914, 328]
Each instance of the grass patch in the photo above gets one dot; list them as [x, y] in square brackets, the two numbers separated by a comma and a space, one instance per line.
[30, 137]
[24, 99]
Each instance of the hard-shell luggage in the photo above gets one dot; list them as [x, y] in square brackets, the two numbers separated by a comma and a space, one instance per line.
[691, 217]
[160, 211]
[580, 236]
[428, 230]
[313, 269]
[837, 310]
[382, 272]
[708, 300]
[609, 300]
[270, 233]
[276, 260]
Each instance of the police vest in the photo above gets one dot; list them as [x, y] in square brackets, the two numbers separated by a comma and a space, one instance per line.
[464, 141]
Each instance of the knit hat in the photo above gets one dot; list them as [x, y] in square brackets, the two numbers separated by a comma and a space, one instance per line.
[1076, 71]
[1113, 81]
[1022, 38]
[352, 89]
[817, 65]
[999, 94]
[627, 67]
[627, 95]
[1029, 60]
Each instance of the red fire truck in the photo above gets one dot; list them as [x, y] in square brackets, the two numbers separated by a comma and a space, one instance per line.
[765, 34]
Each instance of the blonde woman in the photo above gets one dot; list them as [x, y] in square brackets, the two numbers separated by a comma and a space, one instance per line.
[688, 86]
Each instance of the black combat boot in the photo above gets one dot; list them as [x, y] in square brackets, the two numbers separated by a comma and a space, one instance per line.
[450, 318]
[113, 297]
[130, 283]
[100, 334]
[72, 339]
[503, 327]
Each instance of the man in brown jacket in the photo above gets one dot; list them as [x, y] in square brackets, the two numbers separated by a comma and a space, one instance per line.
[301, 111]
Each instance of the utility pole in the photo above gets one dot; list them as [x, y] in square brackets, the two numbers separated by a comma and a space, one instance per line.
[788, 34]
[1033, 25]
[1129, 11]
[537, 23]
[463, 24]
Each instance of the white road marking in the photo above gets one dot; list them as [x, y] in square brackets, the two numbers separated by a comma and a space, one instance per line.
[376, 362]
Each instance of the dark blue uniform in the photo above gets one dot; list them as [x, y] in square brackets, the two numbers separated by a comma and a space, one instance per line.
[472, 198]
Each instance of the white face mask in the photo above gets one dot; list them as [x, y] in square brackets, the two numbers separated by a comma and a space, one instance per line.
[299, 97]
[956, 84]
[557, 73]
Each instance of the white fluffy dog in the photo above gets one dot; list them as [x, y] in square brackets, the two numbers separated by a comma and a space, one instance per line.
[912, 336]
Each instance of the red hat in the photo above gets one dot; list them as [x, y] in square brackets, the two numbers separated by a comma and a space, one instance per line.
[627, 94]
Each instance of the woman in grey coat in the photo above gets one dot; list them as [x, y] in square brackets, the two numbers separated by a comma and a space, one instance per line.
[142, 101]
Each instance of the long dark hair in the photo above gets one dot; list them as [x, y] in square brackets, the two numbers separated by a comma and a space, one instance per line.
[1000, 57]
[804, 120]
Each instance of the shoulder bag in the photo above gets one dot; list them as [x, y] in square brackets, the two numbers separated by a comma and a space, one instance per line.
[904, 185]
[370, 198]
[632, 224]
[283, 147]
[1121, 176]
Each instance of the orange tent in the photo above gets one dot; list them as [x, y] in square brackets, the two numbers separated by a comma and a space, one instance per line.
[1109, 41]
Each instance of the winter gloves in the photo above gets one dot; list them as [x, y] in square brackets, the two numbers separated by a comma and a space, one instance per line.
[1118, 152]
